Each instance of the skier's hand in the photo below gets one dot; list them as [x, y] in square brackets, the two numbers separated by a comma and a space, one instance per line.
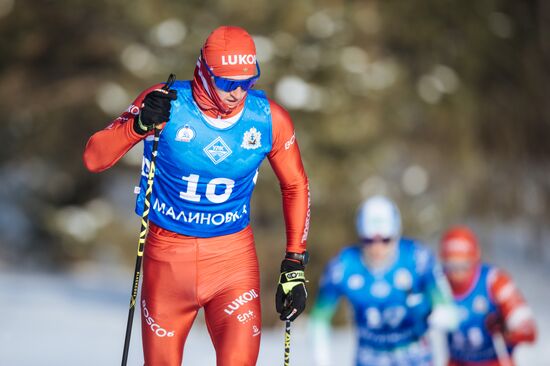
[290, 299]
[154, 110]
[495, 324]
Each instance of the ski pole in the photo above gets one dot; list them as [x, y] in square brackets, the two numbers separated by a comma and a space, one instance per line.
[143, 232]
[287, 343]
[503, 356]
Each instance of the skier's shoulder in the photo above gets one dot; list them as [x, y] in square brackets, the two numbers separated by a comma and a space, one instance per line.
[349, 253]
[279, 114]
[496, 278]
[414, 246]
[344, 256]
[419, 253]
[339, 265]
[259, 94]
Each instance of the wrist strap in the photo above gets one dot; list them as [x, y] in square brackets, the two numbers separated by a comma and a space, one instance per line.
[141, 125]
[301, 258]
[292, 276]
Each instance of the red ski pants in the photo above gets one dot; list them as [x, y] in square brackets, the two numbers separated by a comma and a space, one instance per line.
[181, 274]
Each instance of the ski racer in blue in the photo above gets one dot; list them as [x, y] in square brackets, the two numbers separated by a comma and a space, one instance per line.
[395, 288]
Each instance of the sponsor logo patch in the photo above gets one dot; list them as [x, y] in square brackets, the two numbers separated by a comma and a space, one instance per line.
[200, 218]
[356, 281]
[380, 289]
[414, 299]
[402, 279]
[252, 139]
[459, 246]
[185, 134]
[480, 305]
[255, 331]
[291, 141]
[217, 150]
[238, 59]
[246, 316]
[133, 109]
[240, 301]
[155, 328]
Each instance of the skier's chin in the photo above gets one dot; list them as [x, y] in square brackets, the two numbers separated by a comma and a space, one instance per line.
[232, 104]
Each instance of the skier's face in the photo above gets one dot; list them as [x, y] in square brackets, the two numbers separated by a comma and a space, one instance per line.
[232, 98]
[378, 250]
[459, 271]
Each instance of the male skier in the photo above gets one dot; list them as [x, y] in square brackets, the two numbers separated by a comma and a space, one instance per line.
[395, 287]
[490, 305]
[200, 248]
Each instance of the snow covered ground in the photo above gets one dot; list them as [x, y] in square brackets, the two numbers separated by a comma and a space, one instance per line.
[80, 320]
[59, 320]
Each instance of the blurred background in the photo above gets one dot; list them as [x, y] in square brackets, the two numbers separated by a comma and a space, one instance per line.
[442, 105]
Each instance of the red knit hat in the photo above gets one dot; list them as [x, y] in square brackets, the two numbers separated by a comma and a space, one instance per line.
[461, 243]
[230, 51]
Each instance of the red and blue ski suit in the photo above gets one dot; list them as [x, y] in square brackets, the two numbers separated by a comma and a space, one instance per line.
[200, 249]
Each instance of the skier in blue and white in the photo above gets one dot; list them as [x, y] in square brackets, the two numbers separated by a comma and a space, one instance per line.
[395, 287]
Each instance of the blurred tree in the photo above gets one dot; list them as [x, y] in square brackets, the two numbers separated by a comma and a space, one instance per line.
[441, 104]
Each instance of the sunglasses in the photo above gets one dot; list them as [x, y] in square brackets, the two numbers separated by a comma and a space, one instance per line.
[228, 85]
[377, 239]
[457, 266]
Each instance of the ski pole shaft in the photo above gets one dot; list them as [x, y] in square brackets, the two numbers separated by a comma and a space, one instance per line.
[504, 357]
[287, 343]
[143, 233]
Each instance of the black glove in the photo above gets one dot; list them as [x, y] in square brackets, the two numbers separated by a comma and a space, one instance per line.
[495, 323]
[154, 110]
[290, 299]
